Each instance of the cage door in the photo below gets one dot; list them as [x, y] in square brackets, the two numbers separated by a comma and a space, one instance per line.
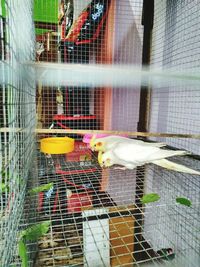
[96, 240]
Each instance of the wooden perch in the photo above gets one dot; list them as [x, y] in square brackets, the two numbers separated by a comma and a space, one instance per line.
[72, 131]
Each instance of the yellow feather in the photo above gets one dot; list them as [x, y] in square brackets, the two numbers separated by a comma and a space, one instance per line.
[100, 158]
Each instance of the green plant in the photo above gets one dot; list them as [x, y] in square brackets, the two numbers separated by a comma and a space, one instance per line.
[32, 233]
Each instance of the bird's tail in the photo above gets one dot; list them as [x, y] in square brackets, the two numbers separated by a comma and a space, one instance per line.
[162, 154]
[167, 164]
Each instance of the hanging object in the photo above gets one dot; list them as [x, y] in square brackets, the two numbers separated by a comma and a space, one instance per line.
[87, 27]
[59, 102]
[84, 31]
[65, 18]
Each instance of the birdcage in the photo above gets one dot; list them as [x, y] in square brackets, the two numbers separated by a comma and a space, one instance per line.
[72, 70]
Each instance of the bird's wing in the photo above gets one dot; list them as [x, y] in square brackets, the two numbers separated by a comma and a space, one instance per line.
[139, 154]
[111, 141]
[154, 144]
[133, 152]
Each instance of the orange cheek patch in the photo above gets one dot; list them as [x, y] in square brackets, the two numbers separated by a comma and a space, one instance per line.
[99, 144]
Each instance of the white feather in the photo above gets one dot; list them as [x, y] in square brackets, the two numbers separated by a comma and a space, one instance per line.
[134, 160]
[175, 166]
[111, 141]
[138, 154]
[132, 155]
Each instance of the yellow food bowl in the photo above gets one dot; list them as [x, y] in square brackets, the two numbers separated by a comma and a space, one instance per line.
[56, 145]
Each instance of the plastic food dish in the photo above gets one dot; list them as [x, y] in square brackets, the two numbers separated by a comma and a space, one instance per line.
[57, 145]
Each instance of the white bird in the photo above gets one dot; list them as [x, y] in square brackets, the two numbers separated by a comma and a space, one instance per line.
[133, 155]
[108, 142]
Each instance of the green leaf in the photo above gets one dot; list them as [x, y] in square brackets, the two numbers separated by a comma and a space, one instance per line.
[23, 253]
[34, 232]
[184, 201]
[150, 198]
[2, 187]
[41, 188]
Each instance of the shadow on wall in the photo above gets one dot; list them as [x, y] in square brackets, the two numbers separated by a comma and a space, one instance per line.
[129, 50]
[127, 47]
[128, 33]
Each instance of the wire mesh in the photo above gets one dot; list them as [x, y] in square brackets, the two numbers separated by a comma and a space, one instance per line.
[17, 95]
[96, 215]
[175, 45]
[175, 108]
[94, 219]
[88, 32]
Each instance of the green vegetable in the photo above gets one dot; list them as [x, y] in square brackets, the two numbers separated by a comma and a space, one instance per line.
[150, 198]
[23, 253]
[41, 188]
[184, 201]
[32, 233]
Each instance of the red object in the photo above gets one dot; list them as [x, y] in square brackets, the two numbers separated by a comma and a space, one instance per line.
[87, 27]
[55, 205]
[79, 156]
[80, 146]
[75, 30]
[40, 201]
[71, 172]
[96, 34]
[59, 118]
[73, 118]
[63, 29]
[77, 201]
[62, 125]
[80, 153]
